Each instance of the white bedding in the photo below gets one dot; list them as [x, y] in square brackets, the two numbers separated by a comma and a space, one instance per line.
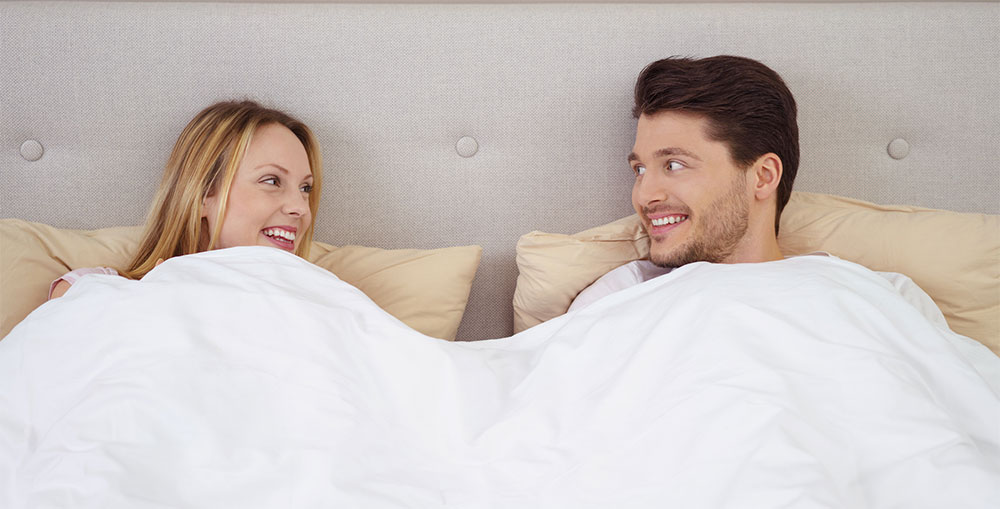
[247, 377]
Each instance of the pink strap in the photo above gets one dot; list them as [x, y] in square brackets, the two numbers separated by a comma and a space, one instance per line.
[73, 275]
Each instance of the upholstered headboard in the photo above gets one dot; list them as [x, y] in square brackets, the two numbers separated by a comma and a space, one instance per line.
[448, 124]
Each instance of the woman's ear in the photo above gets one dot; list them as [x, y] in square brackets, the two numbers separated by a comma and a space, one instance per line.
[208, 202]
[767, 174]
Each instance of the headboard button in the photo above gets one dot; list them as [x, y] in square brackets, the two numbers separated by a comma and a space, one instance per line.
[467, 146]
[31, 150]
[898, 148]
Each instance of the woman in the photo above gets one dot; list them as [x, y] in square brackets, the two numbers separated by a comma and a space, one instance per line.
[239, 175]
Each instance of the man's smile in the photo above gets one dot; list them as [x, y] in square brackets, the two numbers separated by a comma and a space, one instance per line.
[663, 221]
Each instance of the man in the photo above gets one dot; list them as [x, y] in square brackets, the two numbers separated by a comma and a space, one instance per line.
[716, 152]
[715, 156]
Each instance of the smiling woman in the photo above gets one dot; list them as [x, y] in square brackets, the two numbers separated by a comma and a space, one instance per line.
[268, 201]
[240, 174]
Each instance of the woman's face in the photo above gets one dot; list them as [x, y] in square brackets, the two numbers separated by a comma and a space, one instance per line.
[269, 199]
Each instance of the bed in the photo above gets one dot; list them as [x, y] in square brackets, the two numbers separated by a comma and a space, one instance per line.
[482, 147]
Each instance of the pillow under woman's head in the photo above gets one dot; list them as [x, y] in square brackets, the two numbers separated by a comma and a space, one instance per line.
[426, 289]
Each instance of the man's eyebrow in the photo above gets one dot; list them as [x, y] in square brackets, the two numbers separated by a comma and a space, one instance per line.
[667, 151]
[674, 151]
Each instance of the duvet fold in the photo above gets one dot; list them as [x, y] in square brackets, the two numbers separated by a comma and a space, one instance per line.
[248, 377]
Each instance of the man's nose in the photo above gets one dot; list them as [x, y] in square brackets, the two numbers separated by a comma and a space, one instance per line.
[651, 188]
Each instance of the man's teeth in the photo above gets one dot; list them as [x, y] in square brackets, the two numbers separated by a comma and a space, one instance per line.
[667, 220]
[278, 232]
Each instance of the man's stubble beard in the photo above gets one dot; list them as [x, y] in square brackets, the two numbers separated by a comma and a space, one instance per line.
[724, 225]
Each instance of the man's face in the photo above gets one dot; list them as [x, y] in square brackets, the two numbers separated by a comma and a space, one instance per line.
[693, 200]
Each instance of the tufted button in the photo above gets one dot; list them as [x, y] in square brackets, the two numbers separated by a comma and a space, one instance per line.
[467, 146]
[898, 148]
[31, 150]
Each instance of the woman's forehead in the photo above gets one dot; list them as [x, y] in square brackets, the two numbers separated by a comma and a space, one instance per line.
[278, 146]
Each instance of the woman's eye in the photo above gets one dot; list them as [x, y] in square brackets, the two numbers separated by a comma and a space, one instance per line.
[639, 170]
[307, 188]
[270, 180]
[674, 165]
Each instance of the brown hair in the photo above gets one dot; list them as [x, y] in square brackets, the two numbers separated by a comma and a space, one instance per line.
[205, 159]
[748, 107]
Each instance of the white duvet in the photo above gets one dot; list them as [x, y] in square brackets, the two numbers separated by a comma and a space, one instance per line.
[249, 378]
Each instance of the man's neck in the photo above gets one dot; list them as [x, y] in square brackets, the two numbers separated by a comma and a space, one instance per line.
[760, 241]
[756, 250]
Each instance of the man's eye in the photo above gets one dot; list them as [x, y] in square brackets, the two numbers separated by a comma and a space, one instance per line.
[674, 165]
[639, 170]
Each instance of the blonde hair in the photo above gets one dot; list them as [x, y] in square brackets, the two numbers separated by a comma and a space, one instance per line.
[204, 160]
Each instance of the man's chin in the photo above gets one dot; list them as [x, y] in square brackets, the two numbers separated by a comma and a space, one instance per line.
[669, 258]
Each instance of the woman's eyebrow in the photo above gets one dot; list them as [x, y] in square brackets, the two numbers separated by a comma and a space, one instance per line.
[278, 166]
[283, 170]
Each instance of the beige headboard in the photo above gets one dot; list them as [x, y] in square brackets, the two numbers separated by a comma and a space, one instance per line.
[93, 95]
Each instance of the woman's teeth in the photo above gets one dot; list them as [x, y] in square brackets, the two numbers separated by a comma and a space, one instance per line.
[278, 232]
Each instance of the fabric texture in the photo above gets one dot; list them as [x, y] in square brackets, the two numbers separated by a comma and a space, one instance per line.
[626, 276]
[639, 271]
[954, 257]
[426, 289]
[248, 378]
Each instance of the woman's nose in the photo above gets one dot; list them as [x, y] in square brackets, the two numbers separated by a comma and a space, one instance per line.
[296, 203]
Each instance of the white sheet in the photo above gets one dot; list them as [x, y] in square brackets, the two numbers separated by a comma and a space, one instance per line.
[249, 378]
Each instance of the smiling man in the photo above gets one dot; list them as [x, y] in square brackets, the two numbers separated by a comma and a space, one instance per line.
[715, 155]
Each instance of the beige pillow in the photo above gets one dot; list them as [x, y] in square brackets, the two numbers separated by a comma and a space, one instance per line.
[954, 257]
[426, 289]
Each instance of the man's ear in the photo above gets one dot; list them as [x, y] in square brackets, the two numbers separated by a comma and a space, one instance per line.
[767, 174]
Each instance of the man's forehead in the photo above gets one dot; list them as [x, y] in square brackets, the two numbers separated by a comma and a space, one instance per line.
[669, 133]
